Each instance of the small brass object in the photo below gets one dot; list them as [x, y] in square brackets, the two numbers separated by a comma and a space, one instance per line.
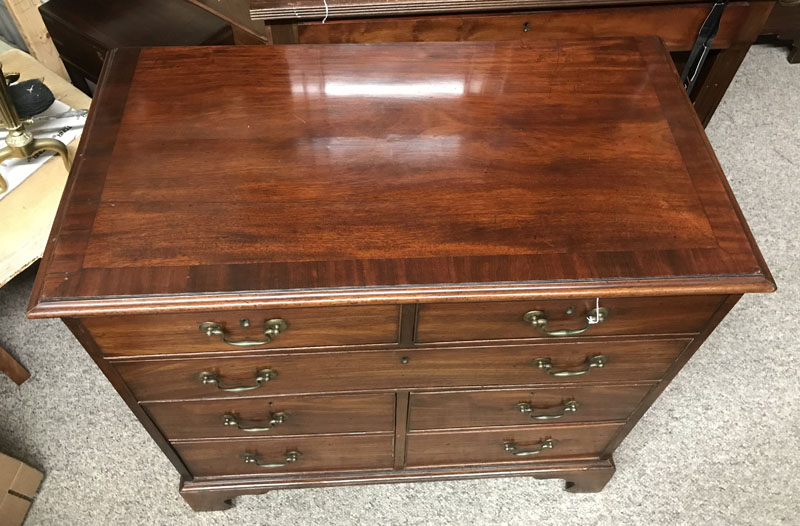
[570, 406]
[595, 362]
[513, 448]
[263, 376]
[20, 143]
[291, 457]
[538, 319]
[244, 322]
[272, 328]
[404, 359]
[274, 420]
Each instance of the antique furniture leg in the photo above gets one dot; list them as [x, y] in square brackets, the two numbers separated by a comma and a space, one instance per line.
[590, 480]
[12, 368]
[723, 67]
[784, 25]
[208, 500]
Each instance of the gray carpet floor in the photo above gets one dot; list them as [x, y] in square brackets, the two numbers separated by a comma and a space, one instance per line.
[719, 447]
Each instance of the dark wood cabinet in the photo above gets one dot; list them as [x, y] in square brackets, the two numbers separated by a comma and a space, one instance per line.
[394, 262]
[84, 31]
[784, 24]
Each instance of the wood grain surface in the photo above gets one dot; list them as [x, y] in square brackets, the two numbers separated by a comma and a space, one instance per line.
[219, 458]
[403, 369]
[497, 408]
[389, 166]
[500, 320]
[481, 447]
[302, 415]
[676, 25]
[180, 333]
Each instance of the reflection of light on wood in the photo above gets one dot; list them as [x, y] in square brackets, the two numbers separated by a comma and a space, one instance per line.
[398, 88]
[395, 89]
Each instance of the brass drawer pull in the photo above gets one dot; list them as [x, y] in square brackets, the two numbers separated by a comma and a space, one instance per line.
[569, 407]
[511, 447]
[274, 420]
[263, 376]
[598, 362]
[291, 457]
[272, 328]
[538, 319]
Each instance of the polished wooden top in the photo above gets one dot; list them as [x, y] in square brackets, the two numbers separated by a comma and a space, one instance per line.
[225, 176]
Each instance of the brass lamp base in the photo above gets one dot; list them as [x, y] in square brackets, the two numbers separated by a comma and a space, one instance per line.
[32, 148]
[20, 143]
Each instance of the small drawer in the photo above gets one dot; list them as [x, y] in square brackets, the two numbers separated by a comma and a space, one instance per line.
[242, 330]
[462, 322]
[287, 455]
[77, 48]
[584, 362]
[507, 446]
[253, 417]
[539, 406]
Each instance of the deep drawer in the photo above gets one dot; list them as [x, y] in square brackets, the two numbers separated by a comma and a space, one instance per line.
[174, 379]
[300, 415]
[305, 327]
[506, 446]
[540, 406]
[328, 453]
[443, 322]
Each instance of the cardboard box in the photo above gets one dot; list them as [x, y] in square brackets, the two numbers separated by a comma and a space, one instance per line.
[18, 485]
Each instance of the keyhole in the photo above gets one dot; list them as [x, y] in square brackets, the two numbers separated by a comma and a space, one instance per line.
[244, 322]
[526, 27]
[570, 309]
[404, 359]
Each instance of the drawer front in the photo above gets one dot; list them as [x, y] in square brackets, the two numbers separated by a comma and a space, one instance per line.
[507, 446]
[676, 25]
[296, 415]
[305, 327]
[539, 406]
[444, 322]
[409, 368]
[269, 455]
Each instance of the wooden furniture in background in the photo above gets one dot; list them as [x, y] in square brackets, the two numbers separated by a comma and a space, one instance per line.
[336, 278]
[676, 22]
[10, 367]
[84, 31]
[29, 22]
[237, 14]
[784, 25]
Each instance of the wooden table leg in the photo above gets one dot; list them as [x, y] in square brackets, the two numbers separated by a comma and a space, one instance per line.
[722, 68]
[12, 368]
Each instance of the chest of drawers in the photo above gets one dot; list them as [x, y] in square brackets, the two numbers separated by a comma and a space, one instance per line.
[393, 262]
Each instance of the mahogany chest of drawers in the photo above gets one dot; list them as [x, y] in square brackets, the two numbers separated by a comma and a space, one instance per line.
[393, 262]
